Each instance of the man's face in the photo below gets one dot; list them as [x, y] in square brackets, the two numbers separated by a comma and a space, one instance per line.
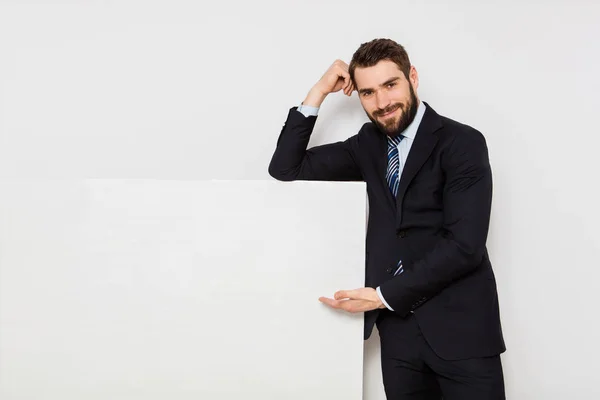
[389, 99]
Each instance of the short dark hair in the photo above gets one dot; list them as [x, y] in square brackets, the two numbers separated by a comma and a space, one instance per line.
[370, 53]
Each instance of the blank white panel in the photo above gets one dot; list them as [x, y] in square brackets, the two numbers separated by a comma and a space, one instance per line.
[147, 289]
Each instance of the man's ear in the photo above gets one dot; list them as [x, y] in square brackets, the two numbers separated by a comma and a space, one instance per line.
[414, 77]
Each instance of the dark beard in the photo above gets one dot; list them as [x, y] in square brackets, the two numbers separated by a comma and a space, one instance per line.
[408, 115]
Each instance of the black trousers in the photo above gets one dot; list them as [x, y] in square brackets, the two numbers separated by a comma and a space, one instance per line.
[411, 369]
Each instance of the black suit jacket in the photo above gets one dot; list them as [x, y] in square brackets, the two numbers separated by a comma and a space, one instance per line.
[437, 225]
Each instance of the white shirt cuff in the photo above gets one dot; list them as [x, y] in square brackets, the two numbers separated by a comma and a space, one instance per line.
[308, 111]
[382, 299]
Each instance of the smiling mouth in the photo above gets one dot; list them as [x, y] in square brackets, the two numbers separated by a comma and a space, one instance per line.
[387, 114]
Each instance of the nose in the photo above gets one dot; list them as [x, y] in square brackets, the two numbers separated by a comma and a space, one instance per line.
[383, 100]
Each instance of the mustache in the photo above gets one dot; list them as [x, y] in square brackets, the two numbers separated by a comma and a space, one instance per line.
[388, 109]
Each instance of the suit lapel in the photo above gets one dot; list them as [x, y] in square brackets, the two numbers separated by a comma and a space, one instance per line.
[421, 149]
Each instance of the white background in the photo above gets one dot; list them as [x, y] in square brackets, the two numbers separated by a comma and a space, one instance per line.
[180, 90]
[153, 290]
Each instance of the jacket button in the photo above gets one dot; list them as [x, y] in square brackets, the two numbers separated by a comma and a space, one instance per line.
[401, 233]
[389, 270]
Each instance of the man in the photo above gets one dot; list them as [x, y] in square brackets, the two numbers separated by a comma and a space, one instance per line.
[429, 284]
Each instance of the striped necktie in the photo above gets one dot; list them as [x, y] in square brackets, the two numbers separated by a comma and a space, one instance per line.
[393, 178]
[392, 175]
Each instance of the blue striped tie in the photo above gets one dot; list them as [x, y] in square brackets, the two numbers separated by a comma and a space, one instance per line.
[393, 178]
[392, 175]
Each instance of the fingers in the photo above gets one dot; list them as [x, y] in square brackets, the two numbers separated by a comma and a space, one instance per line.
[342, 72]
[347, 82]
[330, 302]
[348, 294]
[357, 300]
[350, 89]
[336, 78]
[351, 306]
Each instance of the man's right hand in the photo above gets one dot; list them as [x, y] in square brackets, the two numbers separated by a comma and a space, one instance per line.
[336, 78]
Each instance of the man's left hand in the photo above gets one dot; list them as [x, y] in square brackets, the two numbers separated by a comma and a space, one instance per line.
[354, 301]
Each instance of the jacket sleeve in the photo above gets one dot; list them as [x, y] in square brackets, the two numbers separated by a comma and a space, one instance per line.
[330, 162]
[467, 198]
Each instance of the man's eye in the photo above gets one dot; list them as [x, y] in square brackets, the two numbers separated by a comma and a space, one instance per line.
[392, 84]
